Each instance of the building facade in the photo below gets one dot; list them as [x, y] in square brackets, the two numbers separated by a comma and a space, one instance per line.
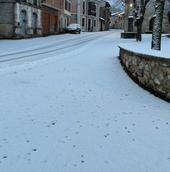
[105, 16]
[50, 16]
[92, 15]
[117, 20]
[20, 18]
[56, 16]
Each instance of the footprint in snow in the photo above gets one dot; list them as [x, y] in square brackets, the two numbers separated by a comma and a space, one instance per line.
[124, 113]
[34, 150]
[45, 161]
[106, 135]
[53, 123]
[28, 141]
[4, 157]
[106, 162]
[76, 133]
[107, 124]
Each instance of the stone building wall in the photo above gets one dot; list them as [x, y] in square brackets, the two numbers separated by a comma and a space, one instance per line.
[89, 14]
[6, 18]
[153, 73]
[19, 19]
[30, 12]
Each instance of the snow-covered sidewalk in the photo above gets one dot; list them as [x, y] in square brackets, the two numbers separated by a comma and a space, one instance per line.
[144, 47]
[80, 112]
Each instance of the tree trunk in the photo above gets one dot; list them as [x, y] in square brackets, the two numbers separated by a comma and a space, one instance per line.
[157, 28]
[140, 18]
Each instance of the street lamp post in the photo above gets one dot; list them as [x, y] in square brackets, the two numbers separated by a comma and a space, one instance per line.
[126, 15]
[128, 21]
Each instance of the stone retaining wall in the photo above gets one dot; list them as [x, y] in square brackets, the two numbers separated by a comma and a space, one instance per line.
[152, 73]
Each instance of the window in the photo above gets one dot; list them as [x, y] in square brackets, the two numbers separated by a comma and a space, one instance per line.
[94, 23]
[84, 9]
[91, 8]
[67, 5]
[34, 2]
[34, 23]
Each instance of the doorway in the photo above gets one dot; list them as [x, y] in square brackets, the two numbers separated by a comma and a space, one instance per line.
[23, 21]
[34, 23]
[89, 25]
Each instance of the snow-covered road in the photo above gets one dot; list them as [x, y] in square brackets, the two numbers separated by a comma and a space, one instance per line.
[77, 110]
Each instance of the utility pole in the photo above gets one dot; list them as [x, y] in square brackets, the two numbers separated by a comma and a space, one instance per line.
[78, 12]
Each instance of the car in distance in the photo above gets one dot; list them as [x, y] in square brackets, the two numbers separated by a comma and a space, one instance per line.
[74, 28]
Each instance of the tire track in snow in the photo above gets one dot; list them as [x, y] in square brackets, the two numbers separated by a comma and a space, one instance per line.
[54, 47]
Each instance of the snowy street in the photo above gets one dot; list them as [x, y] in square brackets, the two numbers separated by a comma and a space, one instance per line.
[66, 105]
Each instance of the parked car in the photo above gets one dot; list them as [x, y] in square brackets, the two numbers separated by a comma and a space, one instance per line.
[74, 28]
